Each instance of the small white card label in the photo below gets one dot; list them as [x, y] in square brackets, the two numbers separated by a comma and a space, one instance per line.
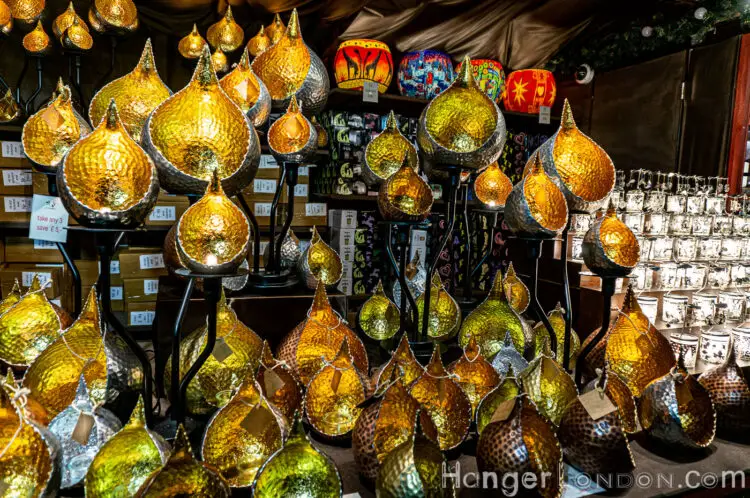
[162, 213]
[303, 171]
[17, 204]
[16, 177]
[264, 186]
[13, 149]
[49, 219]
[151, 261]
[263, 245]
[151, 286]
[262, 209]
[545, 114]
[142, 318]
[115, 293]
[114, 267]
[28, 276]
[267, 161]
[315, 209]
[300, 190]
[44, 244]
[370, 92]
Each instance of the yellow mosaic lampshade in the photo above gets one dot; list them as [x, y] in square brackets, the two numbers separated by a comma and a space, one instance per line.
[402, 361]
[259, 42]
[76, 37]
[276, 29]
[279, 384]
[405, 196]
[319, 263]
[549, 386]
[474, 374]
[9, 108]
[118, 16]
[516, 291]
[65, 20]
[506, 390]
[492, 187]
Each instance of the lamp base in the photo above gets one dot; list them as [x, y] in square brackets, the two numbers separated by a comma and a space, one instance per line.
[271, 283]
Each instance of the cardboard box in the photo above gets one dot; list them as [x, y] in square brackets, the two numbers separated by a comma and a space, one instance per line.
[25, 273]
[342, 218]
[140, 314]
[15, 208]
[12, 156]
[342, 237]
[15, 181]
[167, 210]
[26, 250]
[142, 262]
[39, 183]
[307, 214]
[141, 290]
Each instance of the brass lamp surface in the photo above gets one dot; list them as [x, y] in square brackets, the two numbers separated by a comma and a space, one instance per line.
[492, 187]
[247, 91]
[292, 138]
[403, 362]
[77, 37]
[290, 251]
[474, 374]
[226, 34]
[219, 61]
[258, 43]
[549, 386]
[191, 45]
[379, 317]
[516, 291]
[276, 29]
[26, 11]
[385, 153]
[120, 16]
[609, 247]
[9, 108]
[444, 319]
[65, 20]
[11, 297]
[556, 318]
[37, 41]
[405, 196]
[730, 394]
[319, 263]
[506, 390]
[6, 16]
[278, 384]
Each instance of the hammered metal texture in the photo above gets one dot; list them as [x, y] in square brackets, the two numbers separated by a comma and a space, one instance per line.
[730, 394]
[549, 386]
[226, 34]
[507, 389]
[247, 91]
[444, 402]
[676, 410]
[9, 108]
[516, 291]
[198, 130]
[619, 393]
[289, 67]
[136, 94]
[363, 449]
[217, 378]
[191, 45]
[286, 397]
[444, 320]
[536, 207]
[297, 469]
[59, 89]
[474, 374]
[581, 168]
[405, 196]
[26, 11]
[556, 318]
[116, 15]
[11, 297]
[461, 126]
[135, 452]
[319, 262]
[77, 37]
[243, 434]
[37, 41]
[32, 409]
[492, 187]
[416, 279]
[292, 138]
[413, 469]
[276, 29]
[290, 251]
[595, 359]
[609, 247]
[402, 361]
[5, 14]
[258, 43]
[64, 21]
[635, 350]
[492, 320]
[219, 61]
[379, 317]
[385, 153]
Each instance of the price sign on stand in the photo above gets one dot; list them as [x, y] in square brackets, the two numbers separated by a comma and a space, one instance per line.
[49, 219]
[370, 92]
[545, 114]
[12, 149]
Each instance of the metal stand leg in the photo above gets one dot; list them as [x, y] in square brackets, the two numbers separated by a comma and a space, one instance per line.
[271, 263]
[178, 406]
[291, 181]
[568, 304]
[30, 102]
[468, 270]
[256, 231]
[535, 249]
[399, 268]
[490, 245]
[608, 290]
[20, 80]
[77, 291]
[113, 52]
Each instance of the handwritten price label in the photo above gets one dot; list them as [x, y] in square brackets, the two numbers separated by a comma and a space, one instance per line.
[151, 261]
[16, 177]
[49, 219]
[262, 209]
[267, 161]
[162, 213]
[44, 244]
[17, 204]
[12, 149]
[264, 186]
[370, 92]
[315, 209]
[28, 276]
[545, 114]
[115, 293]
[303, 171]
[300, 190]
[151, 286]
[142, 318]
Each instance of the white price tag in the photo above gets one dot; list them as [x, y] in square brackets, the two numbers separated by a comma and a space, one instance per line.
[28, 276]
[142, 318]
[303, 171]
[263, 245]
[545, 114]
[151, 286]
[49, 219]
[115, 293]
[267, 161]
[262, 209]
[370, 92]
[151, 261]
[44, 244]
[13, 149]
[162, 213]
[114, 267]
[16, 177]
[315, 209]
[264, 186]
[17, 204]
[300, 190]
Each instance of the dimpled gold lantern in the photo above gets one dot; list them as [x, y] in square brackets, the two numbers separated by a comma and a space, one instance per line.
[289, 67]
[292, 138]
[474, 374]
[609, 247]
[541, 335]
[730, 394]
[221, 373]
[198, 130]
[445, 315]
[580, 167]
[385, 153]
[635, 350]
[37, 42]
[492, 319]
[26, 11]
[191, 45]
[51, 132]
[462, 126]
[549, 386]
[379, 317]
[258, 43]
[247, 91]
[278, 384]
[536, 207]
[334, 394]
[59, 88]
[522, 442]
[506, 390]
[319, 263]
[135, 452]
[9, 108]
[213, 235]
[619, 393]
[136, 94]
[106, 179]
[29, 326]
[119, 16]
[219, 61]
[65, 20]
[226, 34]
[405, 196]
[276, 29]
[492, 187]
[317, 340]
[444, 403]
[11, 297]
[31, 408]
[402, 361]
[77, 37]
[516, 291]
[243, 434]
[297, 469]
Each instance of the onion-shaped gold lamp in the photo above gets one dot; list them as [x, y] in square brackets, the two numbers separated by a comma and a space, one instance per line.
[276, 29]
[213, 235]
[474, 374]
[220, 374]
[578, 165]
[135, 452]
[444, 403]
[317, 340]
[118, 16]
[29, 326]
[536, 207]
[334, 394]
[258, 43]
[461, 126]
[609, 247]
[183, 475]
[402, 362]
[405, 196]
[490, 321]
[549, 386]
[226, 34]
[106, 179]
[492, 187]
[506, 390]
[379, 317]
[730, 394]
[290, 67]
[37, 41]
[191, 45]
[26, 12]
[59, 89]
[556, 318]
[11, 297]
[445, 314]
[219, 61]
[136, 94]
[51, 132]
[198, 130]
[65, 20]
[619, 393]
[290, 251]
[385, 153]
[516, 291]
[243, 434]
[278, 384]
[635, 350]
[247, 91]
[297, 469]
[319, 263]
[9, 108]
[77, 37]
[292, 138]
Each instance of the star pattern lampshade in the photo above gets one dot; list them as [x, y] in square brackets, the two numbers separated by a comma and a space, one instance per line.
[528, 89]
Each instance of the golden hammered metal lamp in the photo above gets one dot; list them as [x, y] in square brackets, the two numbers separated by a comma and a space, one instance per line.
[118, 16]
[221, 373]
[107, 180]
[578, 165]
[278, 384]
[198, 130]
[289, 67]
[444, 403]
[730, 394]
[77, 37]
[379, 317]
[31, 409]
[276, 29]
[9, 108]
[461, 127]
[549, 386]
[191, 45]
[213, 235]
[556, 318]
[6, 18]
[50, 133]
[292, 138]
[610, 248]
[65, 20]
[385, 153]
[248, 91]
[405, 196]
[619, 393]
[403, 362]
[219, 61]
[445, 314]
[492, 319]
[508, 389]
[492, 187]
[30, 326]
[516, 291]
[37, 42]
[59, 89]
[536, 207]
[317, 340]
[319, 263]
[226, 34]
[297, 469]
[11, 297]
[474, 374]
[258, 43]
[26, 11]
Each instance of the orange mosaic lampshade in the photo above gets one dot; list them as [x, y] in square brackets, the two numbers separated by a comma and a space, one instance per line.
[358, 61]
[529, 89]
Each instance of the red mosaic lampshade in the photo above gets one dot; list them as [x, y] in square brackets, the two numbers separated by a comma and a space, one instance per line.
[357, 61]
[528, 89]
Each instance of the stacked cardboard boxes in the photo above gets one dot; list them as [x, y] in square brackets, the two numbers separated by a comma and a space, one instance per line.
[15, 184]
[140, 269]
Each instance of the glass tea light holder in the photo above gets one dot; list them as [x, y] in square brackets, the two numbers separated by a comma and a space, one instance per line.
[580, 222]
[704, 305]
[740, 226]
[655, 200]
[634, 221]
[668, 276]
[722, 225]
[661, 248]
[709, 249]
[634, 201]
[676, 203]
[731, 249]
[685, 248]
[741, 340]
[718, 276]
[701, 225]
[674, 309]
[645, 244]
[715, 204]
[616, 197]
[695, 277]
[746, 248]
[738, 273]
[714, 346]
[650, 307]
[656, 224]
[735, 301]
[688, 344]
[696, 204]
[680, 224]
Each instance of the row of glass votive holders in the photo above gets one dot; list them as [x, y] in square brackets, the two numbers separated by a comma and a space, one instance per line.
[685, 249]
[655, 224]
[655, 201]
[705, 309]
[670, 276]
[712, 346]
